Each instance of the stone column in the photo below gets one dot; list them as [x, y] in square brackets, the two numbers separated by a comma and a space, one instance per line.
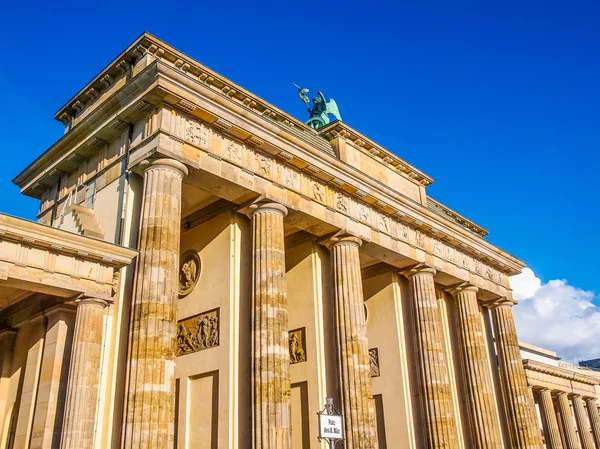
[520, 408]
[271, 392]
[434, 384]
[54, 375]
[352, 349]
[570, 434]
[149, 421]
[483, 413]
[84, 375]
[7, 349]
[551, 430]
[592, 407]
[587, 442]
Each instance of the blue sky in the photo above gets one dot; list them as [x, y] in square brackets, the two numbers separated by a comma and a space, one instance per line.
[498, 101]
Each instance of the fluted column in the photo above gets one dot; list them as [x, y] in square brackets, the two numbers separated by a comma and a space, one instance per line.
[356, 390]
[520, 408]
[84, 375]
[568, 424]
[483, 413]
[434, 384]
[551, 430]
[587, 442]
[150, 391]
[271, 394]
[592, 407]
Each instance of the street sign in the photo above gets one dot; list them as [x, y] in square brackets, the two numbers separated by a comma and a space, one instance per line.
[331, 424]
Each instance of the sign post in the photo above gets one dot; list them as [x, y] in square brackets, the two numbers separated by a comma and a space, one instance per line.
[331, 424]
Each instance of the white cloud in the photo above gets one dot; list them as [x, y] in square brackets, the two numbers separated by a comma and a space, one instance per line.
[556, 316]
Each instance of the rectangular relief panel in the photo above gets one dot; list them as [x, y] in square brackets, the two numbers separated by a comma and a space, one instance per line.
[198, 332]
[203, 411]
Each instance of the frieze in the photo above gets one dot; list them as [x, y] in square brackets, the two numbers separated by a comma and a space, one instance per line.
[297, 346]
[253, 160]
[198, 332]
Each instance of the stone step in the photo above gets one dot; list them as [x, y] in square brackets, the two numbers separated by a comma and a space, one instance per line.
[87, 222]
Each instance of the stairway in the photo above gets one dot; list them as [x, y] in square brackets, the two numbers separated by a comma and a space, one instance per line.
[87, 223]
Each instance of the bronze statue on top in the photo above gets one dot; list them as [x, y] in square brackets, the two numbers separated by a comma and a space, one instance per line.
[319, 113]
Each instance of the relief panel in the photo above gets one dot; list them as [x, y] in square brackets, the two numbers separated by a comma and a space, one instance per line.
[198, 333]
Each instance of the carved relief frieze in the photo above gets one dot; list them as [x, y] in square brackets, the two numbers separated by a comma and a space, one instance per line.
[198, 333]
[297, 343]
[317, 191]
[374, 361]
[341, 202]
[196, 133]
[264, 164]
[276, 170]
[233, 151]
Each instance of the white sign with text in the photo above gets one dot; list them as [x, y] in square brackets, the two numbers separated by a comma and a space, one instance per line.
[330, 426]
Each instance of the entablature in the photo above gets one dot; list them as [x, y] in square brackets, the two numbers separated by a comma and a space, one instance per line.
[166, 87]
[40, 258]
[541, 375]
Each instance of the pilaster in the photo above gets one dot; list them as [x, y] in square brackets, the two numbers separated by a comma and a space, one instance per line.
[434, 384]
[150, 389]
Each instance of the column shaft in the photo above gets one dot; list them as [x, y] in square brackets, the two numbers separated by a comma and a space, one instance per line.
[434, 384]
[551, 430]
[356, 390]
[150, 390]
[7, 349]
[592, 407]
[520, 408]
[570, 434]
[84, 375]
[587, 442]
[271, 395]
[483, 413]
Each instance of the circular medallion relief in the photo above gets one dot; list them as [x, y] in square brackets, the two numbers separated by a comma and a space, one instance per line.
[189, 272]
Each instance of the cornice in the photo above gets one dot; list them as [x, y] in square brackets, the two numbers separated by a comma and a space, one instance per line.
[558, 372]
[63, 242]
[384, 156]
[147, 44]
[455, 217]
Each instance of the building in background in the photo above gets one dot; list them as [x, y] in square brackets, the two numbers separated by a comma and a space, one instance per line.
[206, 269]
[566, 399]
[591, 364]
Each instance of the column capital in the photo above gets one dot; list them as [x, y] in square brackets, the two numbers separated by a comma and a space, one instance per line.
[164, 162]
[417, 269]
[84, 300]
[267, 206]
[562, 393]
[502, 302]
[7, 333]
[59, 308]
[342, 237]
[454, 290]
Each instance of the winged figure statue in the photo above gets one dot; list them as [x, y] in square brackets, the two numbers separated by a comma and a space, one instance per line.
[319, 113]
